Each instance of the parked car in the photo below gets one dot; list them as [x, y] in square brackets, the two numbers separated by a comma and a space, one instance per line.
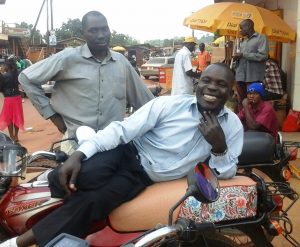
[151, 67]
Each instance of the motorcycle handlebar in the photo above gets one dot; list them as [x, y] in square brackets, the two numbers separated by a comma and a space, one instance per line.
[172, 231]
[58, 156]
[205, 227]
[157, 235]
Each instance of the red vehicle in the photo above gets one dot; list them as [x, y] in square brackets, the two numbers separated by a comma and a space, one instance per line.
[244, 204]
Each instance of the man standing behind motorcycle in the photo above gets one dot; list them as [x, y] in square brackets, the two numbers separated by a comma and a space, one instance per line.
[161, 141]
[92, 83]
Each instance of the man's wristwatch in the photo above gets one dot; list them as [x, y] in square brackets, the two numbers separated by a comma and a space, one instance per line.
[219, 154]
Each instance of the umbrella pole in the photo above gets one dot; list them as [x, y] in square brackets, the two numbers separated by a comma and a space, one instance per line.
[236, 48]
[231, 61]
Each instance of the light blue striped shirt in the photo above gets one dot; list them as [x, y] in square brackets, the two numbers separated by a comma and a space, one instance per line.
[165, 133]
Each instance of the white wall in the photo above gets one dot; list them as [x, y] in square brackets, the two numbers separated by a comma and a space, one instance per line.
[296, 84]
[290, 51]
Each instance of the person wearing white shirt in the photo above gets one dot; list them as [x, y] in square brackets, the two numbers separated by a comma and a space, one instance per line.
[183, 74]
[161, 141]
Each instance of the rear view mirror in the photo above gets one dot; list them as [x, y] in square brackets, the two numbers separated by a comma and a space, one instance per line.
[204, 183]
[13, 160]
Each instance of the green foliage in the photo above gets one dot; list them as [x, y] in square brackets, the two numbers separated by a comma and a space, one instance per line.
[68, 30]
[37, 37]
[178, 41]
[72, 28]
[121, 40]
[206, 39]
[25, 25]
[165, 42]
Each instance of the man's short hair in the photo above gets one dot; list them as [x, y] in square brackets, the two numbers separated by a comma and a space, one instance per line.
[88, 14]
[226, 67]
[249, 22]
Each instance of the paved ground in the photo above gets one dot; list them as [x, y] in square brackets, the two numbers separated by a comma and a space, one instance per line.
[41, 133]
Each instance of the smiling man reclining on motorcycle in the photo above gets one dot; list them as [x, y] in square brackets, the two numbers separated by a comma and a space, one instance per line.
[159, 142]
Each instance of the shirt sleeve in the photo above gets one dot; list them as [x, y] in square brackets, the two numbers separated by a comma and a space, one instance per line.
[262, 50]
[187, 62]
[241, 114]
[208, 57]
[123, 132]
[36, 75]
[267, 74]
[137, 92]
[267, 118]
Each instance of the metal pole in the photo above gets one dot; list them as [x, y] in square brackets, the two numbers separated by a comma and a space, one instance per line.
[51, 12]
[47, 28]
[36, 22]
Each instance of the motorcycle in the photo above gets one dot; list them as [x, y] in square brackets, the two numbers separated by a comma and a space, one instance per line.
[261, 152]
[246, 203]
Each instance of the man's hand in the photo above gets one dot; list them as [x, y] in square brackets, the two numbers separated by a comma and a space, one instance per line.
[58, 121]
[193, 74]
[245, 102]
[212, 132]
[237, 56]
[69, 170]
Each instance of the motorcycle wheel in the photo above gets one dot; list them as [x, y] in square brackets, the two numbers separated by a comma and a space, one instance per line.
[242, 239]
[238, 237]
[212, 240]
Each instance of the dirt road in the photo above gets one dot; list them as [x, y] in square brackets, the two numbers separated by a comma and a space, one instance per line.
[41, 133]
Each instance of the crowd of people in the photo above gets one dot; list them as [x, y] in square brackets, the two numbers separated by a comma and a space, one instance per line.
[160, 141]
[258, 78]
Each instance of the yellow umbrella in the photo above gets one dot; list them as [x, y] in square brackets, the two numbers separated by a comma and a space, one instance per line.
[225, 18]
[219, 40]
[118, 48]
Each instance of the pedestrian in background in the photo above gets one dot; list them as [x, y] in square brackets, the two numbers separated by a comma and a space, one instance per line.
[257, 114]
[183, 74]
[273, 81]
[250, 59]
[92, 83]
[204, 58]
[11, 116]
[27, 62]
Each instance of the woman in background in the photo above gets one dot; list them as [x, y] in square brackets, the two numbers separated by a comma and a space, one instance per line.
[12, 110]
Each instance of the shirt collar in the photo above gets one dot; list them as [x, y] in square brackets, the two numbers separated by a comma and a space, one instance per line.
[222, 113]
[85, 52]
[253, 35]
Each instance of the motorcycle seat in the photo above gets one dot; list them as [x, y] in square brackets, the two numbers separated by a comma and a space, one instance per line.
[237, 196]
[258, 149]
